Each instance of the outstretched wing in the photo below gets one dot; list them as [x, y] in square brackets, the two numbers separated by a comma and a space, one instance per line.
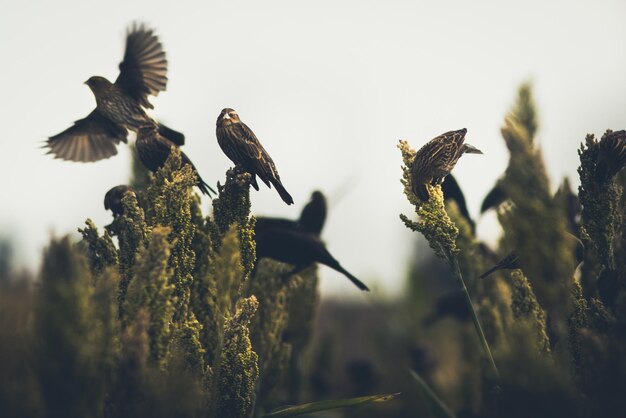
[143, 71]
[90, 139]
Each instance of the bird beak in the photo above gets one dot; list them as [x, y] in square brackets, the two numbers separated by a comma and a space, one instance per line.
[471, 150]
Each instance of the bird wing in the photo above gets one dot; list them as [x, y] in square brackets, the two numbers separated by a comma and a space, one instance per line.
[250, 149]
[143, 71]
[90, 139]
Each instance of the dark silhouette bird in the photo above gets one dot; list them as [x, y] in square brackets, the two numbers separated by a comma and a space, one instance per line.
[611, 156]
[494, 198]
[436, 159]
[299, 249]
[113, 199]
[313, 216]
[453, 305]
[510, 262]
[452, 191]
[243, 148]
[263, 223]
[120, 105]
[154, 149]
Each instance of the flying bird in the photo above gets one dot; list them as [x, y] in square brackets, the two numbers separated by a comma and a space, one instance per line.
[299, 249]
[113, 199]
[313, 216]
[436, 159]
[611, 156]
[153, 149]
[119, 105]
[243, 148]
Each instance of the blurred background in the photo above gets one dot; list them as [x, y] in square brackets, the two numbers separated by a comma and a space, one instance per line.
[329, 88]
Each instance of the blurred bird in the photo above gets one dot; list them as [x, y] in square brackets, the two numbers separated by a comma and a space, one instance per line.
[453, 305]
[494, 198]
[299, 249]
[611, 156]
[436, 159]
[512, 261]
[119, 105]
[113, 199]
[243, 148]
[452, 191]
[154, 149]
[313, 216]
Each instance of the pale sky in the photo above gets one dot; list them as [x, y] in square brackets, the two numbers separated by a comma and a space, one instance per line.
[328, 87]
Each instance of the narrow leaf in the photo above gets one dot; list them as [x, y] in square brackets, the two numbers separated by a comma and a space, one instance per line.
[308, 408]
[435, 405]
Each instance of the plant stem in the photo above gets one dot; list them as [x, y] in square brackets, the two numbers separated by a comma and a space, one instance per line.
[454, 264]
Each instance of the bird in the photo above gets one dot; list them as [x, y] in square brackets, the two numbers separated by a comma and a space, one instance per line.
[452, 304]
[299, 249]
[313, 215]
[119, 105]
[436, 159]
[496, 196]
[113, 199]
[243, 148]
[452, 191]
[611, 156]
[509, 262]
[153, 149]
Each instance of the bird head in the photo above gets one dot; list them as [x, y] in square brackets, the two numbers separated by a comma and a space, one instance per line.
[227, 116]
[317, 196]
[146, 131]
[97, 83]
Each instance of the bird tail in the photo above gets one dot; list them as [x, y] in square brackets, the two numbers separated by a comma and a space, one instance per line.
[282, 192]
[491, 270]
[205, 188]
[353, 279]
[421, 191]
[174, 136]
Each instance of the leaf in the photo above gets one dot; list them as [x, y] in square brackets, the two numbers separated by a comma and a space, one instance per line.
[307, 408]
[435, 405]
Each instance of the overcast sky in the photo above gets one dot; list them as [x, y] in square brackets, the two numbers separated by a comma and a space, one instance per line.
[328, 86]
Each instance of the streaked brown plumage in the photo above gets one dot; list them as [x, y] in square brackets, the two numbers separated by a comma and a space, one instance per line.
[243, 148]
[119, 105]
[153, 150]
[299, 249]
[113, 199]
[611, 156]
[436, 159]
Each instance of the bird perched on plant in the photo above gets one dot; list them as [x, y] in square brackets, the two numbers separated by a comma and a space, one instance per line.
[611, 156]
[299, 249]
[436, 159]
[243, 148]
[119, 105]
[153, 150]
[113, 199]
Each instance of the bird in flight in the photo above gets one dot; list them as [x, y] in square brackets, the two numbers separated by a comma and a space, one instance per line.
[119, 105]
[243, 148]
[153, 149]
[436, 159]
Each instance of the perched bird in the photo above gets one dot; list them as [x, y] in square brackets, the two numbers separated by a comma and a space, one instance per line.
[452, 191]
[299, 249]
[120, 105]
[436, 159]
[113, 199]
[494, 198]
[313, 216]
[243, 148]
[611, 156]
[453, 305]
[154, 149]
